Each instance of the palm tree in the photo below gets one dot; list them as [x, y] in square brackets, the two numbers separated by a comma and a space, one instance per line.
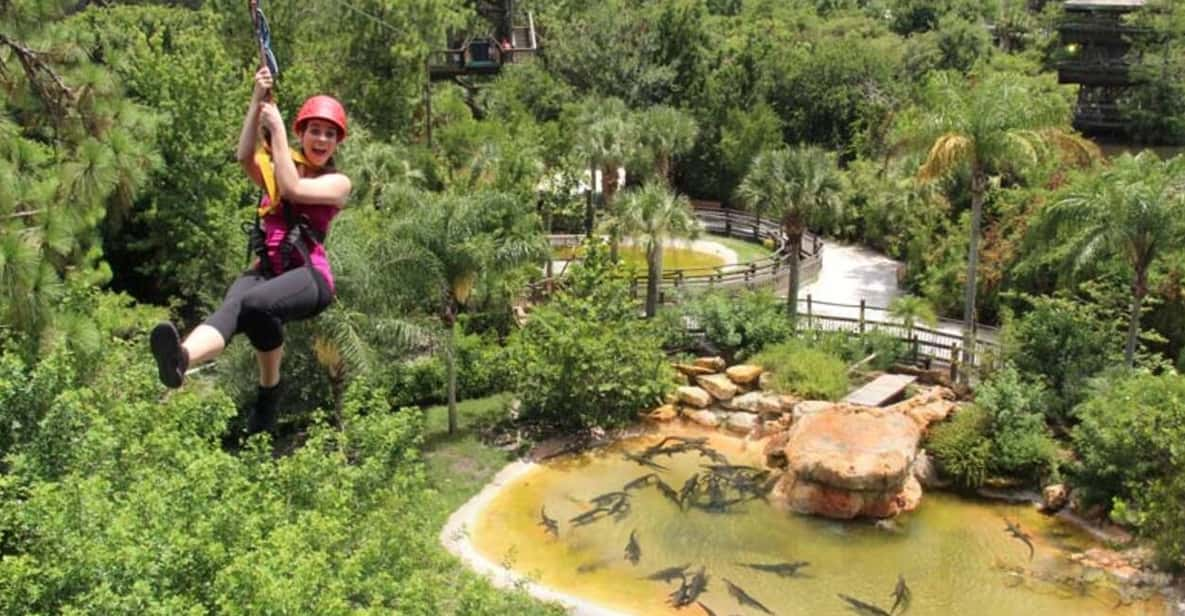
[1136, 209]
[653, 214]
[911, 309]
[455, 242]
[666, 132]
[1003, 121]
[608, 142]
[797, 185]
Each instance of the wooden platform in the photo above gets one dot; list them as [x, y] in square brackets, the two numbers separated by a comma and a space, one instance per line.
[881, 390]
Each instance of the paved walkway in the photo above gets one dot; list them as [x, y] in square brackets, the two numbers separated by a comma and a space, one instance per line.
[852, 272]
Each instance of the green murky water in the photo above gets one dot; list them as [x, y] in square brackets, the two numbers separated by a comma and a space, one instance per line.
[953, 553]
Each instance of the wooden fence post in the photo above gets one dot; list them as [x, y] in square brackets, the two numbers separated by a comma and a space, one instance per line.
[809, 310]
[914, 344]
[861, 316]
[954, 362]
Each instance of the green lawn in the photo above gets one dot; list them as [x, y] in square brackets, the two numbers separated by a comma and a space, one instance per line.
[459, 464]
[746, 251]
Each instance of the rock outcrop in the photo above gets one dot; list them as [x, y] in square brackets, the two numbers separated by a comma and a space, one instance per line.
[846, 461]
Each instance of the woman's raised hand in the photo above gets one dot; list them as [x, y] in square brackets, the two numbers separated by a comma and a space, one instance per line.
[269, 116]
[263, 83]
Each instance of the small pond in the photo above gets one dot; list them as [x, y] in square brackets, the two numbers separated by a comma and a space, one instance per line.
[954, 553]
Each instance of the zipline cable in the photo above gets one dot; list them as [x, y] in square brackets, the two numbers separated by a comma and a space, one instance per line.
[368, 16]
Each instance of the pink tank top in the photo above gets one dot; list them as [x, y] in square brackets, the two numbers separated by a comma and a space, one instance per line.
[275, 227]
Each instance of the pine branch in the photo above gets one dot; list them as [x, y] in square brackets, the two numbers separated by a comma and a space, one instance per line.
[34, 66]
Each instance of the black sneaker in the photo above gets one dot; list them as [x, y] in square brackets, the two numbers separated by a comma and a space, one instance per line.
[262, 417]
[171, 358]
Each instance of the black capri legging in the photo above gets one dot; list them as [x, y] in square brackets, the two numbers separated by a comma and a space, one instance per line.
[258, 306]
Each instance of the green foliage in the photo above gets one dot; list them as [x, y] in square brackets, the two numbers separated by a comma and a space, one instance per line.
[961, 447]
[118, 500]
[585, 359]
[73, 151]
[1021, 443]
[175, 238]
[1129, 452]
[1130, 213]
[740, 324]
[804, 371]
[1128, 433]
[1062, 343]
[1154, 107]
[1163, 520]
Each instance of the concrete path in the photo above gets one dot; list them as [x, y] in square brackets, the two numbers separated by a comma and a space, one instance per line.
[851, 272]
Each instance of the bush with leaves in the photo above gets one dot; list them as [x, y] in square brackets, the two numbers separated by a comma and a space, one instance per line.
[1062, 343]
[585, 358]
[115, 499]
[805, 371]
[962, 448]
[1128, 442]
[739, 324]
[1021, 443]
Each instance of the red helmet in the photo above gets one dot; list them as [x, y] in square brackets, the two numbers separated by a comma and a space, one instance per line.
[325, 108]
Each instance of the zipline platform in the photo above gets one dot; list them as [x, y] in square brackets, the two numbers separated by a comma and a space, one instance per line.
[881, 390]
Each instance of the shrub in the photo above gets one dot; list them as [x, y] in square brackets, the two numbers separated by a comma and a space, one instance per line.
[1129, 433]
[1021, 443]
[961, 447]
[805, 371]
[1063, 343]
[585, 358]
[1129, 454]
[124, 501]
[740, 324]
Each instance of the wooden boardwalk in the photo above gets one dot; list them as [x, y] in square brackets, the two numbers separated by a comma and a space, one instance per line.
[882, 389]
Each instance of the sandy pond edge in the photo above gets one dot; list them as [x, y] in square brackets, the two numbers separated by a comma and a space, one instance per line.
[455, 537]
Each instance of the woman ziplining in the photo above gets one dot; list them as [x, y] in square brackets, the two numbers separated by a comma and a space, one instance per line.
[291, 278]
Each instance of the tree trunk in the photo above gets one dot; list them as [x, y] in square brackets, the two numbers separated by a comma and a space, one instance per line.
[654, 261]
[450, 364]
[794, 235]
[1139, 290]
[978, 188]
[588, 206]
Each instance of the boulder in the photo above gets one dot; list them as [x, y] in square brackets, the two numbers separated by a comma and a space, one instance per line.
[775, 450]
[810, 497]
[741, 422]
[663, 413]
[810, 407]
[854, 449]
[772, 406]
[715, 364]
[927, 407]
[765, 381]
[926, 472]
[744, 374]
[1054, 497]
[694, 396]
[749, 403]
[691, 371]
[704, 417]
[718, 385]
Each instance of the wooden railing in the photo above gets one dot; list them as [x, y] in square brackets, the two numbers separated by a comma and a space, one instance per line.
[942, 345]
[729, 223]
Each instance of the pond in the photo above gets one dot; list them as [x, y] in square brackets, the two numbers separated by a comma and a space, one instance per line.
[953, 553]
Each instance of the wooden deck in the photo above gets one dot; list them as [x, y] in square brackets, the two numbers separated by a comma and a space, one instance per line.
[881, 390]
